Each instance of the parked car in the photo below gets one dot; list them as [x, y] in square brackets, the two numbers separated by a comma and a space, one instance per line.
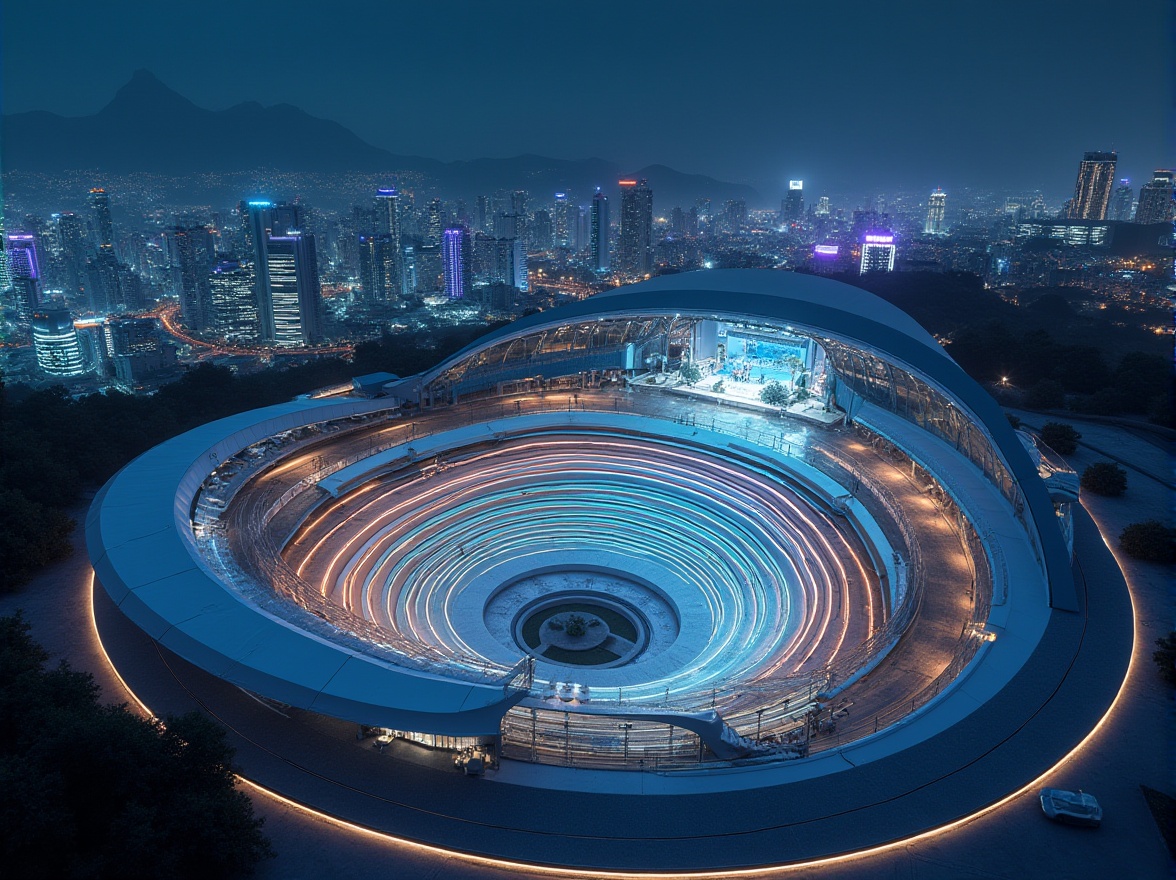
[1071, 807]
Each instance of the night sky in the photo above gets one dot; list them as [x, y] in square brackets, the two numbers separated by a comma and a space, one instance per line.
[849, 96]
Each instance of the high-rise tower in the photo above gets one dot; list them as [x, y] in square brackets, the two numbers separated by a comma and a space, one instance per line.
[1155, 198]
[258, 231]
[295, 295]
[792, 207]
[455, 258]
[55, 342]
[234, 306]
[103, 225]
[935, 208]
[192, 252]
[434, 224]
[24, 272]
[635, 249]
[1121, 201]
[391, 261]
[561, 221]
[598, 236]
[1092, 189]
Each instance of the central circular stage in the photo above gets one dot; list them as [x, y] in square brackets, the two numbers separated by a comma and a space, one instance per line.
[578, 619]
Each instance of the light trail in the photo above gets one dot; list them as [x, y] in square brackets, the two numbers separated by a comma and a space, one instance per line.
[770, 570]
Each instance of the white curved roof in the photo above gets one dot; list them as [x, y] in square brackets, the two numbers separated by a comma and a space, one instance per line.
[833, 309]
[139, 536]
[790, 286]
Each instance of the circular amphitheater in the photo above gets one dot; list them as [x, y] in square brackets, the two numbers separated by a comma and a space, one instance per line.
[555, 552]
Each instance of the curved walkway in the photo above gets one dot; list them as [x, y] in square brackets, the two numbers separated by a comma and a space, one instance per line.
[1047, 709]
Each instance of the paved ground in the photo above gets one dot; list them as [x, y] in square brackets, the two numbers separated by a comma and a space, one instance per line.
[1127, 751]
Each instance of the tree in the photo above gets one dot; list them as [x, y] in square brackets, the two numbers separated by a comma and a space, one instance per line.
[690, 373]
[1060, 437]
[1165, 657]
[1150, 541]
[1014, 420]
[31, 536]
[774, 394]
[95, 791]
[1105, 478]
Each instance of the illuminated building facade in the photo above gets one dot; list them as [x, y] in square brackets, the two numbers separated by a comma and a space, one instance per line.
[1155, 199]
[1092, 189]
[792, 207]
[635, 246]
[24, 272]
[234, 305]
[455, 260]
[878, 252]
[389, 262]
[55, 342]
[295, 297]
[936, 206]
[563, 225]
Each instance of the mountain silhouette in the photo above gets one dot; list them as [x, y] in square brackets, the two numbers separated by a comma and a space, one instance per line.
[149, 127]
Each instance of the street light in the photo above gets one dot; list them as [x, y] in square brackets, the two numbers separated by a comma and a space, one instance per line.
[759, 722]
[625, 726]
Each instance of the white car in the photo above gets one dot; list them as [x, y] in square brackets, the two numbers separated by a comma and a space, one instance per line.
[1071, 807]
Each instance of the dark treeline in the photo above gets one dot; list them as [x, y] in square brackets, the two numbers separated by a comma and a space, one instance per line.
[1101, 368]
[95, 791]
[53, 448]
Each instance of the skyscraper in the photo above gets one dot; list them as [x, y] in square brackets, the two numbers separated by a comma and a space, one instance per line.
[391, 263]
[878, 251]
[234, 304]
[792, 207]
[501, 261]
[541, 231]
[598, 236]
[822, 207]
[295, 294]
[22, 254]
[561, 221]
[55, 342]
[735, 215]
[635, 248]
[192, 251]
[71, 239]
[1155, 198]
[434, 222]
[1092, 189]
[1121, 201]
[482, 214]
[455, 257]
[103, 225]
[935, 208]
[24, 272]
[257, 236]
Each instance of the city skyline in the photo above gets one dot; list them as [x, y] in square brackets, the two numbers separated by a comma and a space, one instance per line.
[725, 106]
